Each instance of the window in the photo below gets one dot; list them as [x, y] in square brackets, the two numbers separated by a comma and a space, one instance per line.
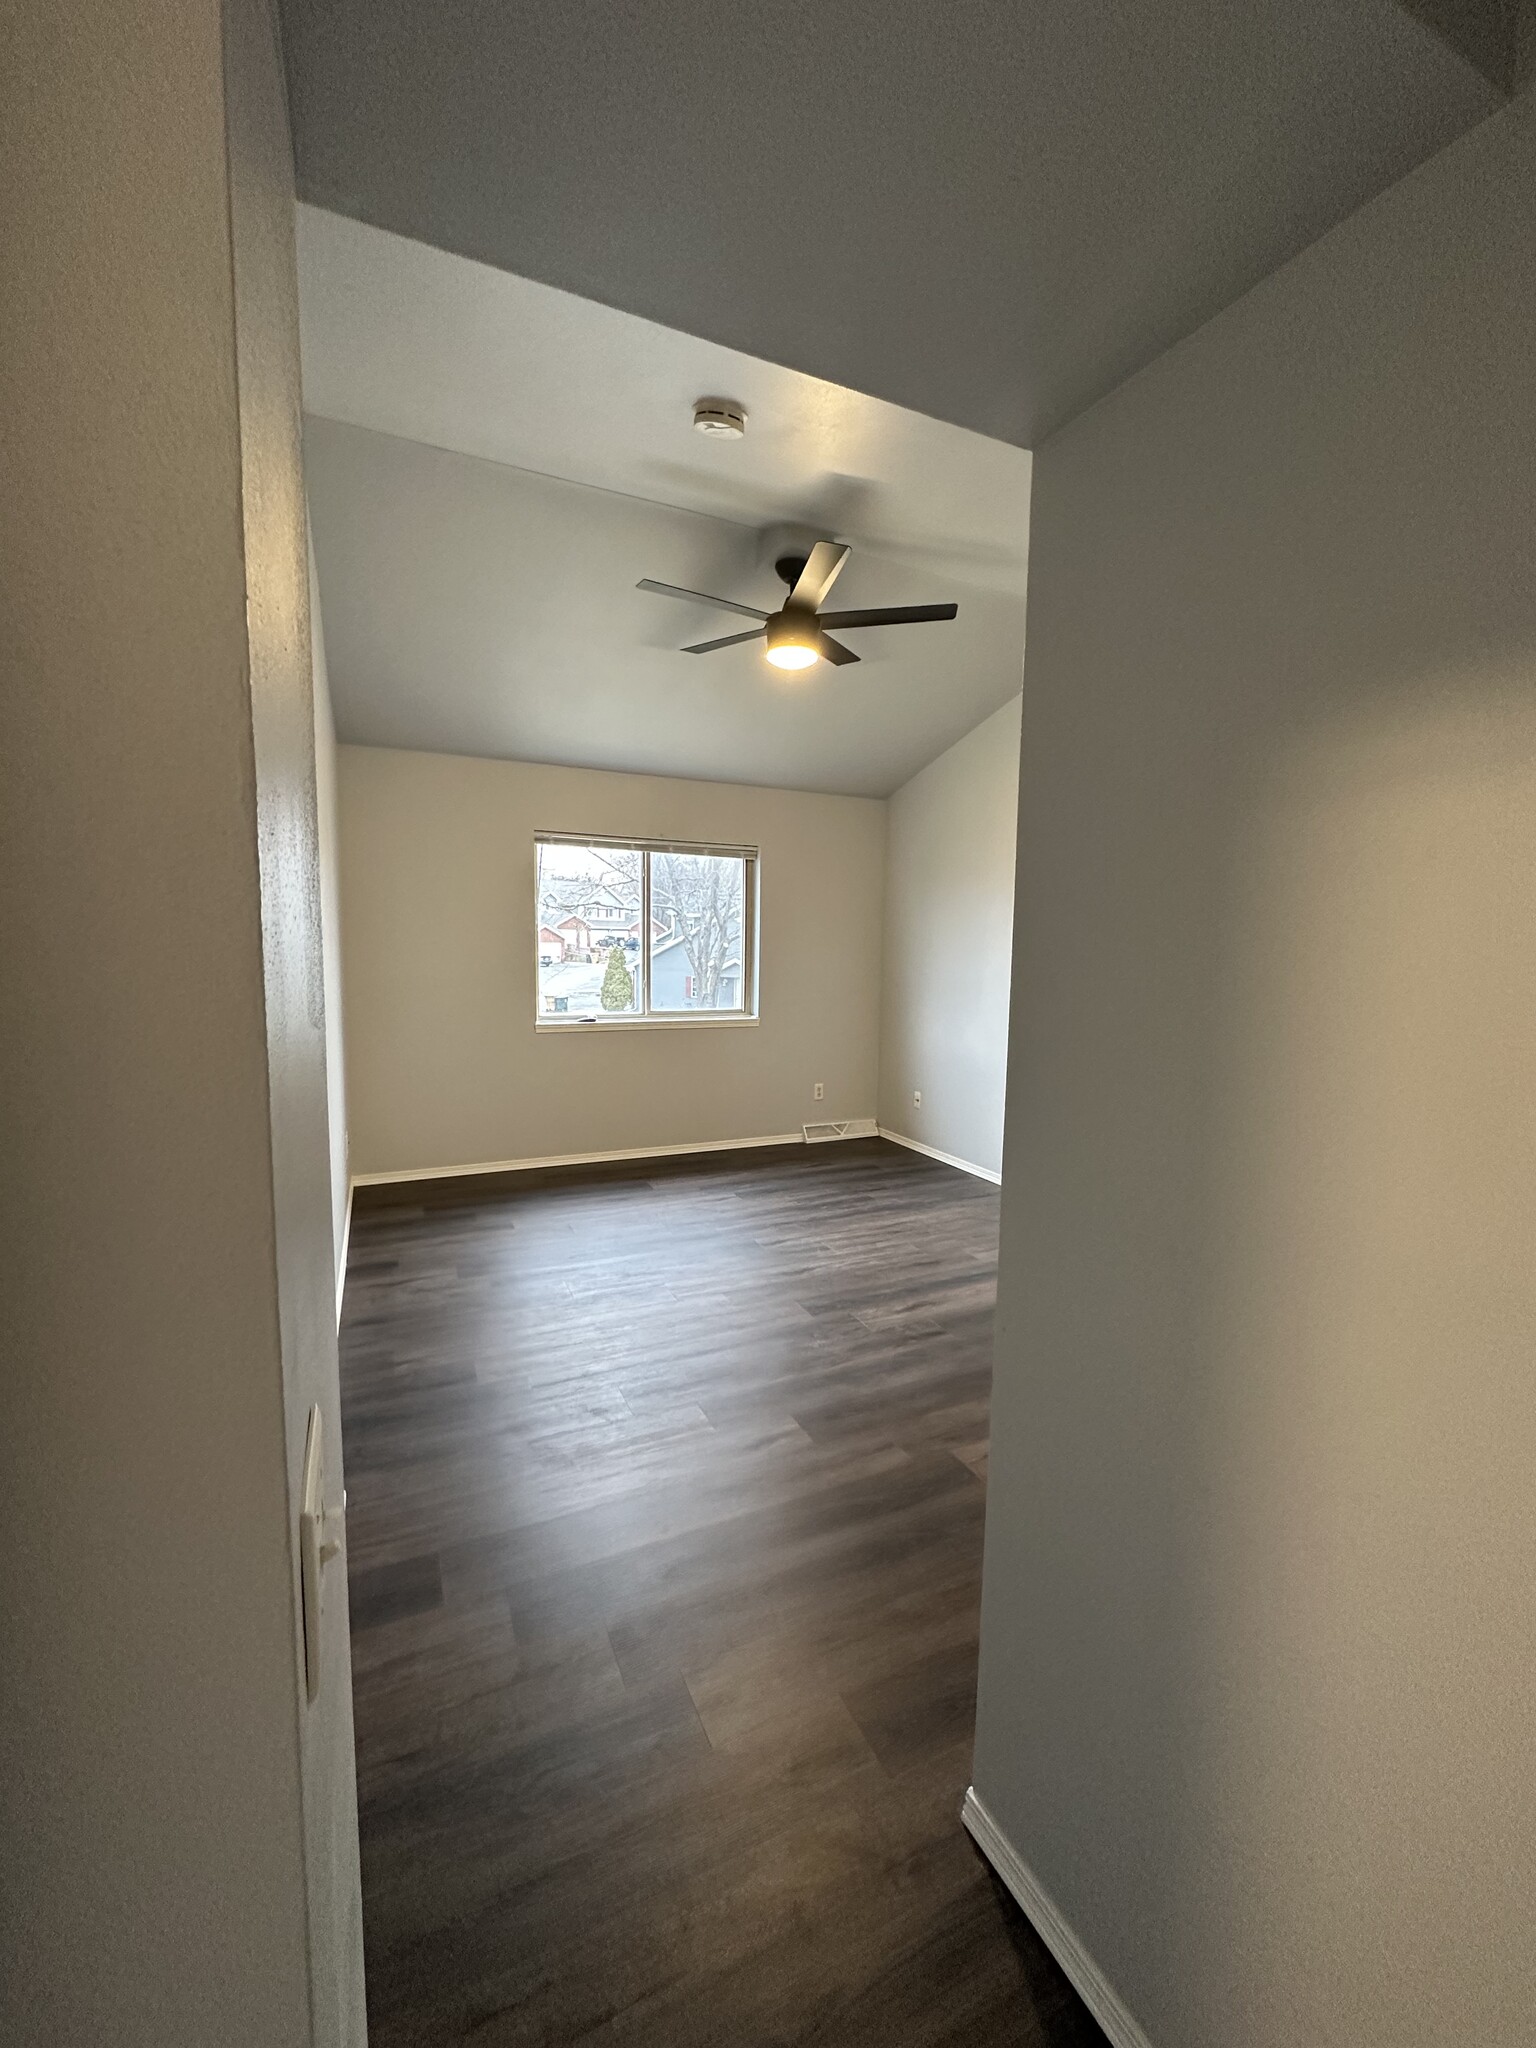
[637, 931]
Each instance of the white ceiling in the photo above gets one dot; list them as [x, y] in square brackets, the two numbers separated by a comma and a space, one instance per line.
[492, 466]
[473, 608]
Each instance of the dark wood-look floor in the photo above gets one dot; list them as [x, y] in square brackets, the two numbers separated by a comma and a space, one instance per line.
[665, 1540]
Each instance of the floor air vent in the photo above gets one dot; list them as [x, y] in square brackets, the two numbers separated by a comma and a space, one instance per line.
[853, 1127]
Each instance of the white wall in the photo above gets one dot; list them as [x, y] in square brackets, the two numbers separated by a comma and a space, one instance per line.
[444, 1065]
[330, 929]
[280, 644]
[950, 843]
[1258, 1631]
[179, 1838]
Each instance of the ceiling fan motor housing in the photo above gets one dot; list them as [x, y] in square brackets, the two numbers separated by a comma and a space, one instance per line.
[791, 637]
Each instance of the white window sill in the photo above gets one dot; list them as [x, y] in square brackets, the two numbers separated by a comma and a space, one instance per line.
[692, 1022]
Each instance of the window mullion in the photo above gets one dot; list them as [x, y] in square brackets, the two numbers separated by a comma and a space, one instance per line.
[645, 934]
[748, 996]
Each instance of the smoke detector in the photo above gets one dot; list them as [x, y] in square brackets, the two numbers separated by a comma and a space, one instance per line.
[718, 417]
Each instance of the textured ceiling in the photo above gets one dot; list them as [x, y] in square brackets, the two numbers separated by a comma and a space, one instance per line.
[492, 465]
[470, 607]
[429, 347]
[990, 211]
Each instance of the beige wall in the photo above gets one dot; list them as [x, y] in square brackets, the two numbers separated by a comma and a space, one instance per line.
[326, 800]
[1257, 1647]
[444, 1066]
[950, 842]
[179, 1848]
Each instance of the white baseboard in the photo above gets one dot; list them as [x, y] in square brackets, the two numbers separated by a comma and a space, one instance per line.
[1040, 1909]
[374, 1180]
[341, 1262]
[944, 1158]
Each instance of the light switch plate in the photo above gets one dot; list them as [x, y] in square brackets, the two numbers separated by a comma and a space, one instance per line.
[319, 1542]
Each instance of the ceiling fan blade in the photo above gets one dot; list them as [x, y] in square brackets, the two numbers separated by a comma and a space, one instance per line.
[834, 651]
[730, 640]
[725, 604]
[891, 615]
[819, 574]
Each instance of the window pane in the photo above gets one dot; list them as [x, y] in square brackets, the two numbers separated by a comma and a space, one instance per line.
[589, 932]
[698, 926]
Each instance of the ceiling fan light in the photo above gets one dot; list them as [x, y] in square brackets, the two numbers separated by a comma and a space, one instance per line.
[792, 641]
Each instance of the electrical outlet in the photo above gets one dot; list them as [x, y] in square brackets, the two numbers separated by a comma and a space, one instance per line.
[818, 1092]
[917, 1098]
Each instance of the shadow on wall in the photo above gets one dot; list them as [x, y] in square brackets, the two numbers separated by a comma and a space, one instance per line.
[1257, 1634]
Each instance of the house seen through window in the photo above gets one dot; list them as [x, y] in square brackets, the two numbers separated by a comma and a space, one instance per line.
[644, 930]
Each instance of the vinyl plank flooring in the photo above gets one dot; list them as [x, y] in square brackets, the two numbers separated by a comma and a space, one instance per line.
[666, 1497]
[388, 1592]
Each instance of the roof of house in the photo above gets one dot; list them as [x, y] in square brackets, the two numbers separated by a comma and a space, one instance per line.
[571, 977]
[676, 939]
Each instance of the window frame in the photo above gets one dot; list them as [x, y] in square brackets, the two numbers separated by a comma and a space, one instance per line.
[644, 1018]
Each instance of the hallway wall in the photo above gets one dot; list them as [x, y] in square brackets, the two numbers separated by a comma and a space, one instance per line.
[179, 1846]
[1257, 1641]
[280, 644]
[328, 829]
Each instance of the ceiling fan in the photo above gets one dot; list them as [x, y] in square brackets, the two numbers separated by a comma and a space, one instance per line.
[797, 634]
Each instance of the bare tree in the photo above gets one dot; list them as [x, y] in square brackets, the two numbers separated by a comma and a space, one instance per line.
[618, 878]
[621, 867]
[700, 897]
